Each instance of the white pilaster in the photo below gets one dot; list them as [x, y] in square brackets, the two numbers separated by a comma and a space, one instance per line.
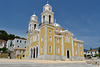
[78, 50]
[54, 41]
[62, 45]
[72, 47]
[39, 45]
[45, 52]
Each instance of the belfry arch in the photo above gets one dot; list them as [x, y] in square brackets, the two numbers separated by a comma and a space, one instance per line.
[36, 52]
[49, 19]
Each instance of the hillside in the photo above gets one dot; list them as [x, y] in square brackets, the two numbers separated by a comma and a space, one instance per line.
[5, 36]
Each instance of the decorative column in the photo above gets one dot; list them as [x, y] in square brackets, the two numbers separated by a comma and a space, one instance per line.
[72, 48]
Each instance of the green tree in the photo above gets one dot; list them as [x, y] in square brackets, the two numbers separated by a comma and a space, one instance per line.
[11, 36]
[0, 49]
[99, 51]
[17, 37]
[4, 49]
[3, 35]
[84, 55]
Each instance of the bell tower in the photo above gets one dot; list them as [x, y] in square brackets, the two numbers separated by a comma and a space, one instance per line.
[47, 15]
[33, 24]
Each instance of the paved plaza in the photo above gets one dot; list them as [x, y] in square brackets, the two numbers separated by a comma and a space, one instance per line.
[42, 63]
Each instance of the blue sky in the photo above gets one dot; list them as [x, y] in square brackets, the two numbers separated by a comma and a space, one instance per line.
[81, 17]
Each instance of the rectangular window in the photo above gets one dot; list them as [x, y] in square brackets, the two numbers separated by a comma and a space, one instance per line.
[50, 49]
[57, 50]
[41, 49]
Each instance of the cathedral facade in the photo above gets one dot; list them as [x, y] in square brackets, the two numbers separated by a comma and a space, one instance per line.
[48, 40]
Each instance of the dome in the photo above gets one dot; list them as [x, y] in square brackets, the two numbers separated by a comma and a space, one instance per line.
[56, 24]
[47, 4]
[33, 15]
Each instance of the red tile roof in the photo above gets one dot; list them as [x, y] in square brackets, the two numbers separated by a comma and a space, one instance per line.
[92, 50]
[10, 39]
[2, 40]
[22, 38]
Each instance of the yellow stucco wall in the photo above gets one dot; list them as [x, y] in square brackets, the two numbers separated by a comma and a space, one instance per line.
[67, 46]
[35, 43]
[50, 43]
[81, 48]
[27, 45]
[78, 48]
[42, 33]
[58, 45]
[20, 56]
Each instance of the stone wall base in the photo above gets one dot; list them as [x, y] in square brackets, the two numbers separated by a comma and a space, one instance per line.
[77, 58]
[57, 57]
[51, 57]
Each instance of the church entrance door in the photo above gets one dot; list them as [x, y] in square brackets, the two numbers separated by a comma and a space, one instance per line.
[68, 56]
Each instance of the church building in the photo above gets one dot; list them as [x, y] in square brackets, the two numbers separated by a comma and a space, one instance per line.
[49, 41]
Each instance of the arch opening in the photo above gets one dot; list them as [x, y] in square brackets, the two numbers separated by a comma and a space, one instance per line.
[36, 52]
[49, 19]
[68, 54]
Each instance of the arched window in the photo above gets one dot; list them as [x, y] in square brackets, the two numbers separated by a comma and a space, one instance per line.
[43, 19]
[49, 19]
[34, 26]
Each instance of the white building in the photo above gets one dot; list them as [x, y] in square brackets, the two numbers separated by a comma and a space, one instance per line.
[92, 52]
[16, 43]
[2, 43]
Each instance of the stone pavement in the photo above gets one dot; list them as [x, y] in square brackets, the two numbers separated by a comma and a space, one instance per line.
[32, 63]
